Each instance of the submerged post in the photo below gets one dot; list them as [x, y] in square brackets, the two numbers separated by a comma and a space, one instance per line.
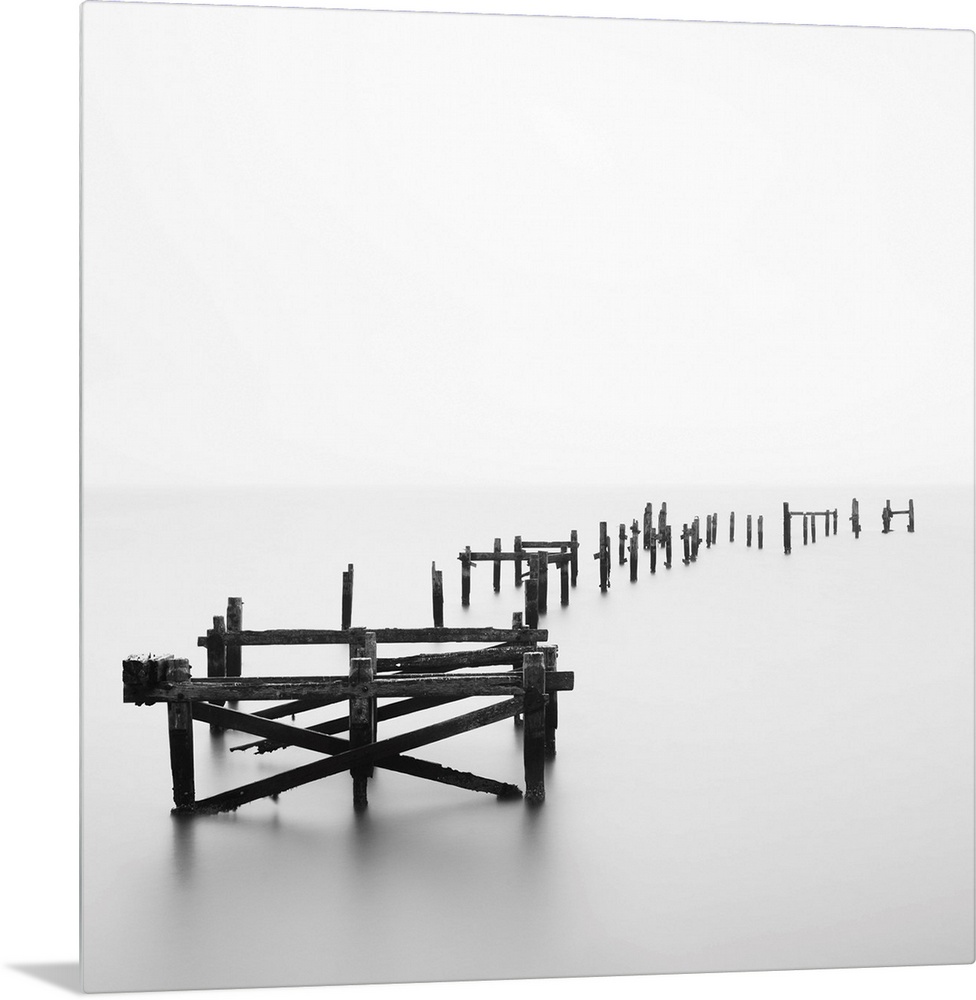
[786, 528]
[748, 530]
[911, 515]
[623, 543]
[759, 531]
[804, 529]
[604, 556]
[634, 531]
[708, 531]
[685, 537]
[360, 726]
[180, 721]
[662, 521]
[534, 733]
[886, 518]
[235, 622]
[550, 653]
[517, 549]
[532, 592]
[732, 526]
[437, 594]
[347, 575]
[653, 547]
[574, 556]
[667, 546]
[714, 527]
[564, 578]
[835, 520]
[543, 564]
[217, 657]
[813, 527]
[648, 524]
[695, 539]
[855, 519]
[496, 568]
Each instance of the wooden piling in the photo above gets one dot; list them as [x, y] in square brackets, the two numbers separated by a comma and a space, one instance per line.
[708, 531]
[748, 530]
[813, 527]
[466, 577]
[911, 516]
[855, 519]
[648, 524]
[564, 580]
[347, 576]
[623, 544]
[543, 563]
[835, 520]
[534, 733]
[886, 518]
[235, 622]
[360, 726]
[437, 594]
[180, 722]
[685, 538]
[653, 548]
[217, 656]
[662, 522]
[604, 557]
[786, 529]
[732, 526]
[759, 527]
[550, 654]
[574, 556]
[517, 548]
[714, 527]
[667, 546]
[634, 531]
[532, 592]
[804, 529]
[695, 539]
[496, 568]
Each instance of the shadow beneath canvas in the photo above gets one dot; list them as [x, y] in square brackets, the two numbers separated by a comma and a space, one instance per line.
[66, 975]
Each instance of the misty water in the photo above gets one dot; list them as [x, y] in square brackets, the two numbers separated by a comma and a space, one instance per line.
[767, 760]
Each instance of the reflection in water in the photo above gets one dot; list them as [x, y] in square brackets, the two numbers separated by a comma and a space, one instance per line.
[734, 786]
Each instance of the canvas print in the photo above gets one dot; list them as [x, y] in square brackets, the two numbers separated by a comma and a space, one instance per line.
[527, 497]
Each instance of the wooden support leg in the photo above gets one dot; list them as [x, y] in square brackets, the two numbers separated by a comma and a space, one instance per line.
[653, 549]
[496, 569]
[574, 559]
[685, 536]
[181, 754]
[235, 622]
[217, 655]
[748, 530]
[532, 593]
[787, 528]
[466, 577]
[437, 594]
[667, 546]
[517, 549]
[347, 576]
[648, 521]
[360, 727]
[534, 735]
[911, 515]
[622, 537]
[813, 528]
[602, 556]
[551, 653]
[759, 527]
[564, 580]
[732, 526]
[708, 531]
[714, 527]
[633, 552]
[805, 529]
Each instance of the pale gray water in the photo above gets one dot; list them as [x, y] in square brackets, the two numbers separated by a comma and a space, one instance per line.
[767, 761]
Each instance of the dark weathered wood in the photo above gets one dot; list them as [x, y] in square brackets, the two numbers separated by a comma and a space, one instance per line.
[550, 655]
[180, 720]
[347, 582]
[695, 539]
[813, 527]
[604, 557]
[510, 654]
[652, 546]
[360, 725]
[278, 783]
[648, 524]
[667, 546]
[532, 592]
[517, 548]
[759, 531]
[714, 527]
[465, 558]
[748, 530]
[805, 531]
[855, 519]
[235, 622]
[787, 529]
[911, 515]
[662, 523]
[564, 583]
[573, 556]
[496, 569]
[622, 538]
[634, 532]
[323, 637]
[437, 594]
[534, 734]
[685, 539]
[708, 531]
[542, 561]
[732, 526]
[217, 654]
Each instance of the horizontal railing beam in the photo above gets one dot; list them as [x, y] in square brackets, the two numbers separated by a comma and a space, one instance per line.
[324, 637]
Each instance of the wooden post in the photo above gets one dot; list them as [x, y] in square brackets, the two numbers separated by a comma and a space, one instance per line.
[835, 520]
[517, 549]
[564, 578]
[437, 594]
[604, 556]
[911, 515]
[786, 528]
[662, 522]
[496, 569]
[634, 530]
[550, 653]
[813, 527]
[667, 546]
[180, 720]
[217, 657]
[685, 536]
[748, 530]
[855, 519]
[759, 531]
[235, 622]
[648, 524]
[360, 726]
[466, 577]
[574, 556]
[804, 529]
[347, 597]
[532, 592]
[695, 539]
[534, 735]
[542, 561]
[653, 548]
[708, 531]
[886, 518]
[623, 543]
[732, 526]
[714, 527]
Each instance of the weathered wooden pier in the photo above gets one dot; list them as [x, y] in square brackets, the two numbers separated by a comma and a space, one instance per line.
[566, 559]
[809, 522]
[418, 682]
[855, 519]
[887, 514]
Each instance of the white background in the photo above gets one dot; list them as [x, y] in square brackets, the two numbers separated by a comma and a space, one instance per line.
[39, 63]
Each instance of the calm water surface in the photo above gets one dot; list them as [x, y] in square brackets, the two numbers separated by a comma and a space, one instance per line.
[767, 761]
